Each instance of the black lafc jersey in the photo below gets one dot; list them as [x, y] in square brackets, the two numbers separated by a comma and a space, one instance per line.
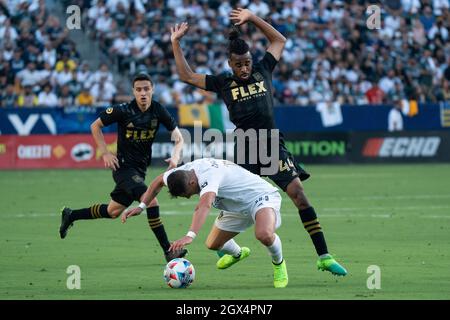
[136, 131]
[249, 102]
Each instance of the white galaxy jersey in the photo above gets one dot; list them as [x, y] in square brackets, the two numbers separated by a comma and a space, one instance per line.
[235, 187]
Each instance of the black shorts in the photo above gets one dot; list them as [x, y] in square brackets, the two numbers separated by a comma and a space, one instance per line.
[288, 169]
[130, 186]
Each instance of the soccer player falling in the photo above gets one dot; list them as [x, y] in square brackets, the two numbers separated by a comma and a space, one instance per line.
[244, 198]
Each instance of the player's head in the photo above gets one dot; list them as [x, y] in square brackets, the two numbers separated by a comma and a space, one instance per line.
[182, 183]
[143, 89]
[239, 57]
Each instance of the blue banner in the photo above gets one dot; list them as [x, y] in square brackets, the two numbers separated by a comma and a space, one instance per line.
[28, 121]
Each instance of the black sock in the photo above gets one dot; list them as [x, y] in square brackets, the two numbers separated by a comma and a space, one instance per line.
[95, 212]
[157, 226]
[312, 226]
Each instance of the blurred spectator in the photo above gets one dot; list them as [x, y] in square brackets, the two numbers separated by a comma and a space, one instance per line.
[18, 62]
[387, 83]
[8, 98]
[395, 118]
[103, 92]
[103, 74]
[27, 98]
[60, 78]
[259, 7]
[375, 95]
[440, 7]
[49, 54]
[84, 98]
[84, 74]
[65, 63]
[47, 98]
[65, 99]
[28, 76]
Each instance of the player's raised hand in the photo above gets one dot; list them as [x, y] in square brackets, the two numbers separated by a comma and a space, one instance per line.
[179, 244]
[178, 31]
[111, 161]
[129, 213]
[172, 163]
[240, 16]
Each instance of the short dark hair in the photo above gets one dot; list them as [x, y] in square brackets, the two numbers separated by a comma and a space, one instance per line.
[236, 45]
[142, 77]
[177, 182]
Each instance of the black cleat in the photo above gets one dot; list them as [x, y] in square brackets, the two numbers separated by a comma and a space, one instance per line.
[170, 255]
[66, 222]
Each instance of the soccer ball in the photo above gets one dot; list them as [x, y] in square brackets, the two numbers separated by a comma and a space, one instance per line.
[179, 273]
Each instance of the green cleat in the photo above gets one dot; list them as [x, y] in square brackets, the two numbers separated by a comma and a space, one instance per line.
[329, 264]
[280, 276]
[228, 260]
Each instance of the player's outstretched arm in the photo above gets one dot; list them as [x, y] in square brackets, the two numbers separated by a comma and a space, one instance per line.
[151, 193]
[198, 219]
[177, 138]
[277, 41]
[184, 70]
[109, 159]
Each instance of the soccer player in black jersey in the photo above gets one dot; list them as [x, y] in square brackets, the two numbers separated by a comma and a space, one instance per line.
[248, 94]
[138, 122]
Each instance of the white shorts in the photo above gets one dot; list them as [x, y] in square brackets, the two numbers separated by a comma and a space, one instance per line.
[240, 221]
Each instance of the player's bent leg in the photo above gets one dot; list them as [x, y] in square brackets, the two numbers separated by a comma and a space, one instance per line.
[218, 237]
[265, 219]
[221, 240]
[114, 209]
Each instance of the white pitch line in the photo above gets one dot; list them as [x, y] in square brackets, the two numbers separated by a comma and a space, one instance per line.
[350, 175]
[332, 213]
[388, 197]
[387, 208]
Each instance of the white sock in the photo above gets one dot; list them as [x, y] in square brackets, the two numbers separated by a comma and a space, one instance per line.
[231, 247]
[276, 250]
[326, 255]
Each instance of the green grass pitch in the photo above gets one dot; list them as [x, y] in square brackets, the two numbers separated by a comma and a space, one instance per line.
[396, 217]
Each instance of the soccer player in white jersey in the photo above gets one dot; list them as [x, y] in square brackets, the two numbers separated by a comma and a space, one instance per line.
[243, 198]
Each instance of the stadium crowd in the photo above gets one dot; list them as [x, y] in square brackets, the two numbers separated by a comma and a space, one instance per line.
[331, 54]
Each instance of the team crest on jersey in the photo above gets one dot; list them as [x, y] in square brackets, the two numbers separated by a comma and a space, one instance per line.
[137, 179]
[258, 76]
[154, 123]
[109, 110]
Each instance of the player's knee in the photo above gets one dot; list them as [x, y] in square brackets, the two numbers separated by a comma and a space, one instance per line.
[114, 213]
[265, 236]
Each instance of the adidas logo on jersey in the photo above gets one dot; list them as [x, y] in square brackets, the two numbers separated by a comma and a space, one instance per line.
[233, 84]
[130, 125]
